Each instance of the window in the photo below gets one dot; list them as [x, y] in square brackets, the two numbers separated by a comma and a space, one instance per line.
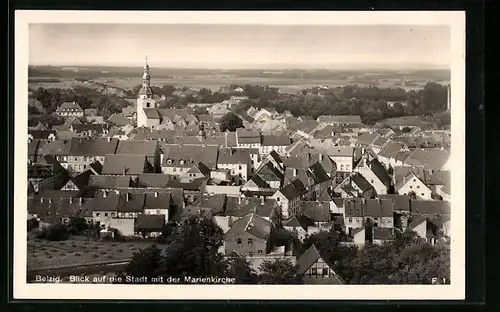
[250, 242]
[418, 186]
[239, 241]
[422, 194]
[325, 272]
[371, 180]
[350, 220]
[314, 271]
[277, 199]
[174, 169]
[97, 214]
[105, 214]
[411, 186]
[414, 180]
[112, 214]
[239, 167]
[260, 252]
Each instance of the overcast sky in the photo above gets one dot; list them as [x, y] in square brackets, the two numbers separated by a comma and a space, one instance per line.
[239, 46]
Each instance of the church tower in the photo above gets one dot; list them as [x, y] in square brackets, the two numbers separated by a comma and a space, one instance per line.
[145, 98]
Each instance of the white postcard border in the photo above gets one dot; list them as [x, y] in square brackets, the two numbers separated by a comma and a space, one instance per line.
[456, 290]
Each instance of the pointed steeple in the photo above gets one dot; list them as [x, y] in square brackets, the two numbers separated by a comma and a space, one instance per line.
[146, 82]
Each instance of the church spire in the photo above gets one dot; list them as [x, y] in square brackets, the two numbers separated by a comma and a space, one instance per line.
[146, 81]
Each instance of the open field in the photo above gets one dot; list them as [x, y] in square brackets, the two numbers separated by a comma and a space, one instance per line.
[286, 85]
[78, 250]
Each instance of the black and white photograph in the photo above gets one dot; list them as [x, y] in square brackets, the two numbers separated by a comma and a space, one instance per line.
[299, 155]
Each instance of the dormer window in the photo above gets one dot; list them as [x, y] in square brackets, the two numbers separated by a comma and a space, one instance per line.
[169, 161]
[181, 162]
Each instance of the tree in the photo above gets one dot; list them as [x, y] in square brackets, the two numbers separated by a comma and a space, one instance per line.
[279, 271]
[33, 224]
[55, 232]
[77, 225]
[193, 249]
[406, 129]
[231, 122]
[146, 263]
[240, 269]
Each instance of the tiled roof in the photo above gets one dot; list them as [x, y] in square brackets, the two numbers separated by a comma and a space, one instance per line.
[151, 113]
[124, 164]
[276, 140]
[233, 156]
[93, 147]
[137, 147]
[253, 224]
[150, 222]
[399, 202]
[391, 149]
[109, 182]
[55, 148]
[119, 120]
[189, 155]
[316, 211]
[294, 189]
[69, 106]
[378, 208]
[430, 207]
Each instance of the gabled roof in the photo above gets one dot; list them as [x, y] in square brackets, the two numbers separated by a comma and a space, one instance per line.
[399, 202]
[151, 113]
[150, 222]
[82, 180]
[233, 156]
[109, 181]
[391, 149]
[189, 155]
[353, 207]
[294, 189]
[240, 207]
[276, 140]
[71, 106]
[269, 173]
[367, 138]
[257, 181]
[137, 147]
[316, 211]
[119, 120]
[430, 207]
[378, 169]
[93, 147]
[55, 148]
[216, 203]
[361, 182]
[154, 179]
[311, 256]
[126, 164]
[252, 224]
[378, 208]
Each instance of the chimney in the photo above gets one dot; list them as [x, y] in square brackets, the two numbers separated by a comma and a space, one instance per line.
[109, 139]
[239, 199]
[294, 172]
[117, 192]
[81, 200]
[230, 152]
[104, 194]
[127, 196]
[50, 200]
[262, 201]
[70, 200]
[41, 200]
[156, 194]
[320, 157]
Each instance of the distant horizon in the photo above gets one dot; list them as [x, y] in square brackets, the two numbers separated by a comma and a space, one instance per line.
[337, 66]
